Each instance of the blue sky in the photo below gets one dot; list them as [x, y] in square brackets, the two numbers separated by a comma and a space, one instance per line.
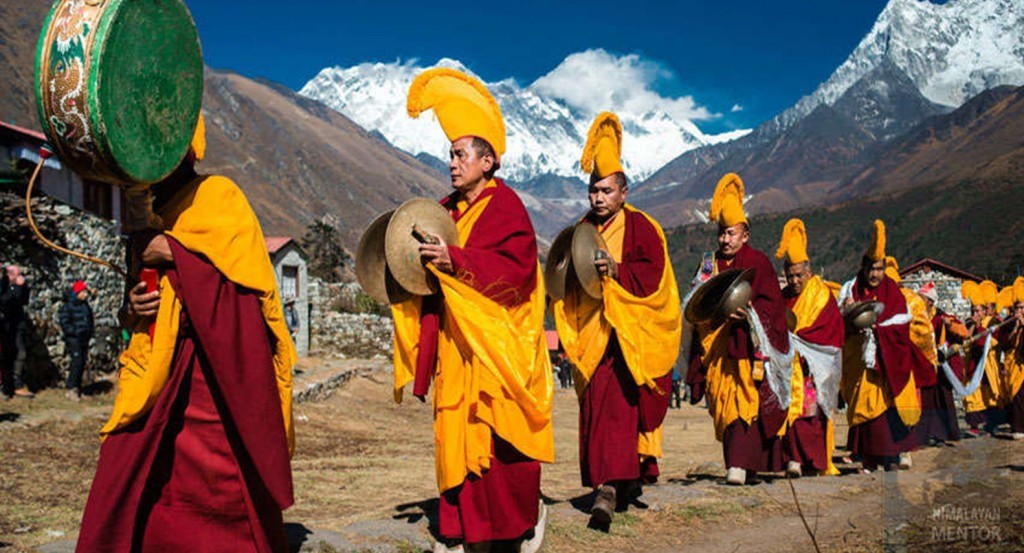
[741, 61]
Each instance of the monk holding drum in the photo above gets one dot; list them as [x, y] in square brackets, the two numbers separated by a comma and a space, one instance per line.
[196, 454]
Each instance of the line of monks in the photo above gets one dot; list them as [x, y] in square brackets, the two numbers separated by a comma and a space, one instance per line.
[196, 455]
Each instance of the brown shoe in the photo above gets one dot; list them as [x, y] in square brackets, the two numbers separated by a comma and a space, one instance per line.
[604, 505]
[24, 392]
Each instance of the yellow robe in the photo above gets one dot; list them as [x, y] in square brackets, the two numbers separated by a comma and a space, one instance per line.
[210, 216]
[648, 329]
[867, 391]
[1013, 368]
[815, 297]
[922, 333]
[493, 372]
[988, 395]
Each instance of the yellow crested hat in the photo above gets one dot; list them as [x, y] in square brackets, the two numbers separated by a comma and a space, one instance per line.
[876, 251]
[727, 203]
[971, 292]
[602, 154]
[892, 269]
[793, 246]
[198, 145]
[463, 106]
[1018, 290]
[989, 292]
[1005, 299]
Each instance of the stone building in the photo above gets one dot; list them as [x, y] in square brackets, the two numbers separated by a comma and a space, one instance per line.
[19, 152]
[290, 263]
[947, 281]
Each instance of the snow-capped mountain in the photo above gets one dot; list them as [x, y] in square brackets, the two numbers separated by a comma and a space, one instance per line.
[920, 59]
[950, 51]
[545, 133]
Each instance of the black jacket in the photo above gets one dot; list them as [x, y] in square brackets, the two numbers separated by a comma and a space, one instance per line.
[13, 299]
[76, 319]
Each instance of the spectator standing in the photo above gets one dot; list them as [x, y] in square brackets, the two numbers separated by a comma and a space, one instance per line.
[77, 323]
[291, 318]
[14, 292]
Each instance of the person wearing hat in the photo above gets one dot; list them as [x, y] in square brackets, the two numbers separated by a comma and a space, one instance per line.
[922, 334]
[196, 453]
[818, 339]
[879, 364]
[76, 321]
[941, 426]
[1011, 340]
[625, 344]
[481, 338]
[748, 386]
[983, 406]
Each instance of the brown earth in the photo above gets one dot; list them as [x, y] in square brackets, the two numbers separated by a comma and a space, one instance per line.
[364, 480]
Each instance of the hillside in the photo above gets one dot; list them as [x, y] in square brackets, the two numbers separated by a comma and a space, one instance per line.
[296, 159]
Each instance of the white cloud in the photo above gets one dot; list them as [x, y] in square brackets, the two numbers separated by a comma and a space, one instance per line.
[595, 80]
[736, 108]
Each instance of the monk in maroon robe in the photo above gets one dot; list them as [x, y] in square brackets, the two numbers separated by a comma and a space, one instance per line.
[881, 440]
[500, 260]
[938, 407]
[757, 446]
[805, 441]
[207, 466]
[614, 410]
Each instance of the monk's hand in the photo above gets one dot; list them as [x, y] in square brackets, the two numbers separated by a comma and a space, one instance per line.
[848, 301]
[606, 265]
[739, 315]
[438, 256]
[153, 249]
[141, 303]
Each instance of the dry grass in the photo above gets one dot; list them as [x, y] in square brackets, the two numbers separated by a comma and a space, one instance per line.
[361, 457]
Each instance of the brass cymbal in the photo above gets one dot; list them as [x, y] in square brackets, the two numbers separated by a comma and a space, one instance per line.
[371, 266]
[586, 242]
[401, 248]
[720, 296]
[862, 315]
[559, 264]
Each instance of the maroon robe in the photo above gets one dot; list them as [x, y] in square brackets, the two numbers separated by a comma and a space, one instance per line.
[805, 441]
[1011, 339]
[500, 261]
[207, 469]
[613, 409]
[896, 357]
[938, 407]
[755, 447]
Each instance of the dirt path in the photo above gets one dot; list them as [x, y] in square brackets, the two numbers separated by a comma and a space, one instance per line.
[364, 481]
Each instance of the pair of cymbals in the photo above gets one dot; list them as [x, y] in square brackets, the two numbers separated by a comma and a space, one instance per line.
[720, 296]
[862, 315]
[388, 263]
[571, 261]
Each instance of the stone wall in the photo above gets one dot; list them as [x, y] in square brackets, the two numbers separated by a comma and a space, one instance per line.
[344, 322]
[946, 286]
[50, 274]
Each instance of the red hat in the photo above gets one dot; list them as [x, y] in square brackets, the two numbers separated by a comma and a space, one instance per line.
[78, 286]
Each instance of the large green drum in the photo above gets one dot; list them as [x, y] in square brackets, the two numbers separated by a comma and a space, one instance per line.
[119, 87]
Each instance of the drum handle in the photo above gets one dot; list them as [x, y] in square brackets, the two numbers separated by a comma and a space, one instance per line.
[44, 154]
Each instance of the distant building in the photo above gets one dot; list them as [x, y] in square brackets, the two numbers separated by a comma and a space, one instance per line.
[947, 281]
[290, 263]
[19, 154]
